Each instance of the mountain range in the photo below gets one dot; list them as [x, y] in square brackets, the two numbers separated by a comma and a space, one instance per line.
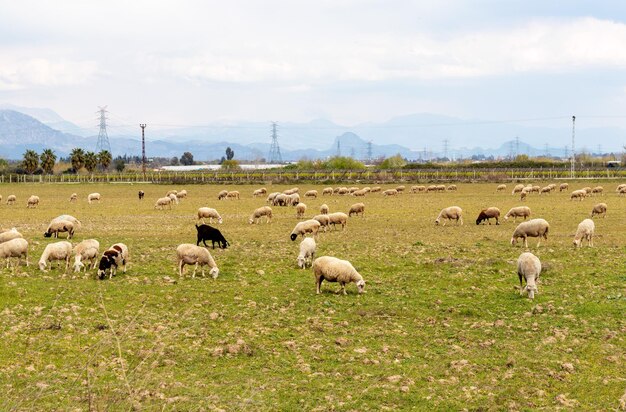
[419, 136]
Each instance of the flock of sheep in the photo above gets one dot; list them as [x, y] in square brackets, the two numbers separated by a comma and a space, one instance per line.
[331, 269]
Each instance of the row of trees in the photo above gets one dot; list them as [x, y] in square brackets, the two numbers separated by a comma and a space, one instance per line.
[78, 158]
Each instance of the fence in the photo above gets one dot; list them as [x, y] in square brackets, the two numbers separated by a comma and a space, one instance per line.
[329, 176]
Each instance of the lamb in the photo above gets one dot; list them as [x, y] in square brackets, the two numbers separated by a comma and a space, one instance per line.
[91, 197]
[533, 228]
[578, 194]
[519, 211]
[311, 226]
[232, 195]
[162, 202]
[563, 186]
[60, 226]
[597, 190]
[390, 192]
[338, 218]
[222, 194]
[111, 258]
[141, 194]
[450, 213]
[259, 192]
[487, 214]
[11, 199]
[327, 191]
[331, 269]
[500, 188]
[585, 230]
[32, 201]
[10, 235]
[190, 254]
[73, 198]
[518, 188]
[88, 249]
[307, 252]
[56, 251]
[17, 247]
[356, 209]
[182, 194]
[260, 212]
[206, 232]
[599, 209]
[311, 193]
[324, 221]
[529, 268]
[300, 210]
[324, 209]
[210, 213]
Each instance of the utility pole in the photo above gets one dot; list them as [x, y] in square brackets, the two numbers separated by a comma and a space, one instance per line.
[573, 164]
[143, 150]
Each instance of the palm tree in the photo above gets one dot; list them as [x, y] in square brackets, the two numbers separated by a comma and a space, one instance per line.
[77, 158]
[48, 158]
[91, 161]
[105, 159]
[30, 162]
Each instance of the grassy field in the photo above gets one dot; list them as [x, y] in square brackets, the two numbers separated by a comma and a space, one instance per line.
[440, 327]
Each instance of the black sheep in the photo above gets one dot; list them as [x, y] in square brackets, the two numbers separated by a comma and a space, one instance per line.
[206, 232]
[141, 194]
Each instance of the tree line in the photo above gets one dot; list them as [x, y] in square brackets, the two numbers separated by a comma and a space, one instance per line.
[78, 158]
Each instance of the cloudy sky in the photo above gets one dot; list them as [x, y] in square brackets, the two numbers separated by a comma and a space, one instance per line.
[193, 62]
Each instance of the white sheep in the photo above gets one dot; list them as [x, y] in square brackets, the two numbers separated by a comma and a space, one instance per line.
[528, 268]
[173, 198]
[171, 192]
[92, 197]
[291, 191]
[517, 189]
[311, 193]
[60, 226]
[302, 228]
[451, 188]
[73, 198]
[300, 210]
[307, 252]
[599, 209]
[271, 197]
[10, 235]
[519, 211]
[578, 194]
[356, 209]
[324, 221]
[546, 190]
[390, 192]
[87, 250]
[324, 209]
[331, 269]
[563, 186]
[232, 195]
[209, 213]
[327, 191]
[260, 212]
[76, 222]
[281, 199]
[450, 213]
[190, 254]
[17, 247]
[500, 188]
[162, 202]
[585, 230]
[488, 214]
[360, 192]
[620, 187]
[222, 194]
[259, 192]
[338, 218]
[32, 201]
[376, 189]
[597, 190]
[11, 199]
[182, 194]
[418, 188]
[56, 251]
[293, 199]
[533, 228]
[111, 258]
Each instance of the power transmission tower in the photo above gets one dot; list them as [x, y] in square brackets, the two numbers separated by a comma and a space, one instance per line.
[566, 153]
[338, 148]
[103, 138]
[143, 150]
[275, 156]
[516, 146]
[511, 150]
[547, 150]
[573, 164]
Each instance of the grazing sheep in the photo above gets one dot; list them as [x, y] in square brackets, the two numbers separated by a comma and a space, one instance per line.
[356, 209]
[390, 192]
[232, 195]
[87, 250]
[343, 191]
[162, 202]
[431, 188]
[599, 209]
[73, 197]
[338, 218]
[76, 222]
[535, 189]
[222, 194]
[271, 197]
[529, 268]
[419, 188]
[518, 188]
[300, 210]
[500, 188]
[525, 191]
[11, 199]
[260, 212]
[291, 191]
[311, 193]
[400, 188]
[32, 201]
[327, 191]
[190, 254]
[597, 190]
[324, 221]
[56, 251]
[376, 189]
[17, 247]
[182, 194]
[171, 192]
[487, 214]
[552, 186]
[622, 191]
[293, 199]
[546, 189]
[307, 252]
[311, 226]
[331, 269]
[359, 193]
[91, 197]
[173, 198]
[519, 211]
[585, 230]
[533, 228]
[587, 190]
[563, 186]
[60, 226]
[620, 187]
[281, 199]
[210, 213]
[10, 235]
[111, 258]
[451, 188]
[450, 213]
[578, 194]
[141, 194]
[259, 192]
[206, 232]
[324, 209]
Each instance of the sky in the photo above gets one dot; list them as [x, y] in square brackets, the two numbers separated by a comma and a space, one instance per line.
[190, 62]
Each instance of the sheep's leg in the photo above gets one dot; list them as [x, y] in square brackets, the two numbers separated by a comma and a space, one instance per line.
[181, 264]
[194, 270]
[318, 284]
[525, 242]
[343, 288]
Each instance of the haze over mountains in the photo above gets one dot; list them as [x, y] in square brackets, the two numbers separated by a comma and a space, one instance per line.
[418, 136]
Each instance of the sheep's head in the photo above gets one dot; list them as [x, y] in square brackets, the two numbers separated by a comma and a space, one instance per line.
[47, 234]
[577, 242]
[250, 220]
[513, 241]
[436, 221]
[360, 285]
[42, 265]
[301, 262]
[214, 272]
[531, 289]
[219, 221]
[293, 236]
[78, 266]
